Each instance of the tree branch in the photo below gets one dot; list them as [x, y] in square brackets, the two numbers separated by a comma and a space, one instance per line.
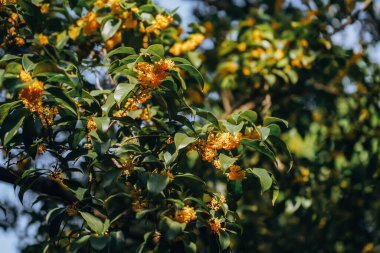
[42, 185]
[353, 17]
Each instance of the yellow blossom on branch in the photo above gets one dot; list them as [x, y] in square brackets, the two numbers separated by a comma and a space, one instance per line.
[236, 173]
[215, 224]
[43, 39]
[215, 204]
[31, 96]
[190, 44]
[150, 75]
[25, 76]
[45, 8]
[90, 23]
[186, 214]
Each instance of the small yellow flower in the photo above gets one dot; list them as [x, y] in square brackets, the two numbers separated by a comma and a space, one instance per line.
[74, 32]
[186, 214]
[72, 210]
[242, 46]
[43, 39]
[41, 149]
[45, 8]
[303, 177]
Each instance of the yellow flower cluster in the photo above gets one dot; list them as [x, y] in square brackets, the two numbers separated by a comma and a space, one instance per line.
[190, 44]
[224, 140]
[215, 224]
[145, 114]
[208, 148]
[140, 205]
[91, 125]
[12, 37]
[150, 75]
[159, 23]
[31, 96]
[128, 167]
[133, 103]
[114, 41]
[165, 173]
[236, 173]
[215, 204]
[25, 76]
[127, 18]
[90, 24]
[47, 115]
[186, 214]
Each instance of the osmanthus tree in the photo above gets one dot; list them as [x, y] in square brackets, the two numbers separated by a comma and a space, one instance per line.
[94, 120]
[279, 58]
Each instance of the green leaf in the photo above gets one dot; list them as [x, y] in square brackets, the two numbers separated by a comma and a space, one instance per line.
[93, 222]
[275, 130]
[122, 91]
[45, 67]
[171, 228]
[110, 102]
[8, 57]
[121, 50]
[270, 120]
[264, 132]
[157, 183]
[181, 140]
[249, 115]
[275, 190]
[264, 177]
[27, 64]
[260, 147]
[226, 161]
[79, 243]
[99, 242]
[284, 148]
[188, 177]
[6, 108]
[155, 50]
[109, 28]
[16, 119]
[63, 98]
[193, 72]
[208, 116]
[224, 239]
[234, 129]
[102, 123]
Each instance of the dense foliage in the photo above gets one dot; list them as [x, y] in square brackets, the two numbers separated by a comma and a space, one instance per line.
[94, 119]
